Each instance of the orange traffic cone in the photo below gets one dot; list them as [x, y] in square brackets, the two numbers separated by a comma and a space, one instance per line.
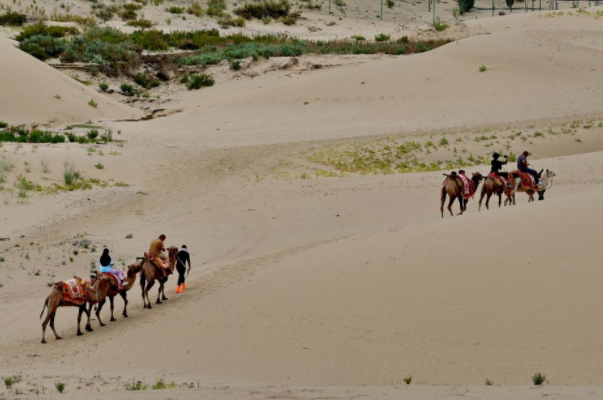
[183, 286]
[178, 290]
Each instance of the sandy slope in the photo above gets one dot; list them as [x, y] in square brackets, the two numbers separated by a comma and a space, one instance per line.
[336, 282]
[29, 87]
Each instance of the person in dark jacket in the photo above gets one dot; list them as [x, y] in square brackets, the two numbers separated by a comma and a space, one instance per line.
[497, 165]
[523, 166]
[182, 258]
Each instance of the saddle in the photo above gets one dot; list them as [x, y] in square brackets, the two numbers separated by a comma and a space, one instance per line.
[527, 180]
[503, 182]
[467, 186]
[114, 280]
[75, 290]
[158, 263]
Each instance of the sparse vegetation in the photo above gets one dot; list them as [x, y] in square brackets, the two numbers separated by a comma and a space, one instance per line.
[215, 8]
[137, 385]
[60, 386]
[129, 236]
[482, 68]
[274, 9]
[408, 380]
[99, 166]
[199, 81]
[382, 37]
[70, 173]
[93, 103]
[103, 86]
[439, 26]
[12, 18]
[465, 6]
[538, 379]
[22, 135]
[489, 382]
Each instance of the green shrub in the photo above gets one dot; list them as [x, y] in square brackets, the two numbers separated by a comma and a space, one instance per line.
[235, 65]
[390, 3]
[382, 37]
[92, 134]
[3, 124]
[70, 173]
[465, 5]
[439, 26]
[93, 103]
[482, 68]
[60, 386]
[13, 18]
[145, 81]
[538, 379]
[229, 20]
[128, 15]
[358, 38]
[408, 380]
[127, 89]
[274, 9]
[42, 47]
[215, 8]
[138, 385]
[195, 9]
[199, 81]
[99, 166]
[103, 86]
[175, 10]
[132, 6]
[41, 29]
[289, 20]
[141, 23]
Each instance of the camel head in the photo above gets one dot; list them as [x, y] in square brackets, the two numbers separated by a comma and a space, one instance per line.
[477, 178]
[549, 173]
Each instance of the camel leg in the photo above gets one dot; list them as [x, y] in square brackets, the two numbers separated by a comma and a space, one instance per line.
[146, 292]
[499, 199]
[163, 297]
[124, 296]
[144, 300]
[98, 310]
[159, 293]
[450, 205]
[443, 200]
[462, 205]
[88, 312]
[481, 198]
[111, 302]
[56, 335]
[79, 319]
[488, 200]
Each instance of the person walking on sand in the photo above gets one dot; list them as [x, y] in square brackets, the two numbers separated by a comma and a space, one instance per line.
[182, 258]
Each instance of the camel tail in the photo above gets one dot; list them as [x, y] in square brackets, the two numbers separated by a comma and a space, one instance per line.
[45, 305]
[443, 197]
[143, 279]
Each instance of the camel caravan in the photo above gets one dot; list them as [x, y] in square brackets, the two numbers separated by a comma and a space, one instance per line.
[524, 179]
[109, 282]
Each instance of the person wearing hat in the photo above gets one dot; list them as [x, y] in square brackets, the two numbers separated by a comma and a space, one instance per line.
[181, 259]
[523, 166]
[497, 165]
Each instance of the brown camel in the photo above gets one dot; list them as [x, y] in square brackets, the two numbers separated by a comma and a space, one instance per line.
[112, 291]
[151, 273]
[453, 187]
[55, 300]
[491, 187]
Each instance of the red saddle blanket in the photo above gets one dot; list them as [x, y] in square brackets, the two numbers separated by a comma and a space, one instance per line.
[505, 182]
[467, 190]
[527, 181]
[76, 291]
[115, 279]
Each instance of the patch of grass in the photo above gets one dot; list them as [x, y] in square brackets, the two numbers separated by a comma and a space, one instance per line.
[103, 86]
[175, 10]
[13, 18]
[215, 8]
[92, 134]
[382, 37]
[41, 29]
[538, 379]
[93, 103]
[483, 68]
[60, 387]
[137, 385]
[229, 20]
[199, 81]
[70, 173]
[408, 380]
[99, 166]
[127, 89]
[129, 236]
[358, 38]
[274, 9]
[22, 135]
[141, 23]
[390, 3]
[489, 382]
[195, 9]
[146, 81]
[439, 26]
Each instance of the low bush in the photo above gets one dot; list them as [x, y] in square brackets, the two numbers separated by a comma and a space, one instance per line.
[21, 135]
[103, 86]
[146, 81]
[195, 9]
[538, 379]
[43, 47]
[45, 30]
[215, 8]
[229, 20]
[274, 9]
[13, 18]
[175, 10]
[199, 81]
[127, 89]
[141, 23]
[382, 37]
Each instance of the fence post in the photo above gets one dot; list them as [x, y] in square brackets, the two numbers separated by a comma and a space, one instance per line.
[493, 7]
[434, 11]
[330, 6]
[381, 10]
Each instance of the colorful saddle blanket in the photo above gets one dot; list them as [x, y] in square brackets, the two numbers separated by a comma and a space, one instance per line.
[504, 182]
[115, 279]
[467, 186]
[527, 181]
[76, 291]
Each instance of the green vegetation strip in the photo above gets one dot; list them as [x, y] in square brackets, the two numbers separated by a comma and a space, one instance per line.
[109, 46]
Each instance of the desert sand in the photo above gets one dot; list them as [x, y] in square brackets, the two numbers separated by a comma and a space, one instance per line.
[310, 281]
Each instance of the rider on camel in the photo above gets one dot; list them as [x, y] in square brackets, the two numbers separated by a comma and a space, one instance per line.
[523, 166]
[156, 250]
[497, 165]
[106, 265]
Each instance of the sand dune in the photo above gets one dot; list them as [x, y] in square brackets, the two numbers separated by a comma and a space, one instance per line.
[316, 287]
[29, 87]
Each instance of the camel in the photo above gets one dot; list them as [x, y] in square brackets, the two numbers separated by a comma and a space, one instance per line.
[453, 187]
[151, 273]
[490, 187]
[546, 182]
[55, 300]
[111, 290]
